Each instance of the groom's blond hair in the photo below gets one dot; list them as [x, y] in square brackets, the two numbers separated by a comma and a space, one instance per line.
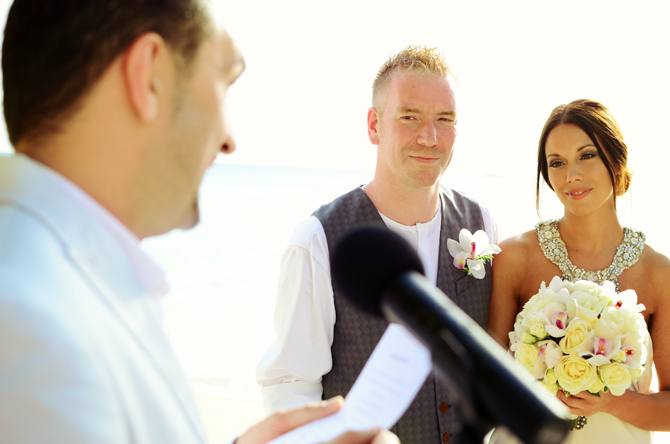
[419, 59]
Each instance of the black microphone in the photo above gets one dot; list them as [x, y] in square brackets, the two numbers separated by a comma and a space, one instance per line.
[379, 271]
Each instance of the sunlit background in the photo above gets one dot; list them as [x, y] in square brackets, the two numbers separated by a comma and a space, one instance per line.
[299, 111]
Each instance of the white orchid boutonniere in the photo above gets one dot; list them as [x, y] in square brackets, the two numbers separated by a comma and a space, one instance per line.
[472, 251]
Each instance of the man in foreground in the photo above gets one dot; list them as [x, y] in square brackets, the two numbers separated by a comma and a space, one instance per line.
[115, 110]
[322, 341]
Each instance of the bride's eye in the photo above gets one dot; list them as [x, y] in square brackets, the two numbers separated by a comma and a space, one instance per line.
[555, 164]
[588, 155]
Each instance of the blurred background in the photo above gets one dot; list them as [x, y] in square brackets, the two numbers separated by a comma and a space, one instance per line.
[299, 116]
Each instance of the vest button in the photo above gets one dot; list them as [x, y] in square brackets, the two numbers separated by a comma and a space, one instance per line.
[444, 407]
[445, 437]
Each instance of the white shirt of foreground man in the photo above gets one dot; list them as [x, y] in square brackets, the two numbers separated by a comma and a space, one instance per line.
[112, 147]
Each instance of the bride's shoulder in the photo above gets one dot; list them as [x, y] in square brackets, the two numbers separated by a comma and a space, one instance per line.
[521, 242]
[655, 263]
[649, 278]
[519, 248]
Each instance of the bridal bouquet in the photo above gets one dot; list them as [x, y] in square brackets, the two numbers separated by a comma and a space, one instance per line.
[581, 336]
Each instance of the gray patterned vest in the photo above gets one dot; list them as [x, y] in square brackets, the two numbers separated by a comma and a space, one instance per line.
[430, 418]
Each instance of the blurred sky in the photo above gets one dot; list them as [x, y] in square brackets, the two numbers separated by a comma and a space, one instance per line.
[304, 97]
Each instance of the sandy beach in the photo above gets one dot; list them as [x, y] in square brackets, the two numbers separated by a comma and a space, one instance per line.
[224, 419]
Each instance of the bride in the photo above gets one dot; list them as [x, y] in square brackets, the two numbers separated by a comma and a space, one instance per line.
[583, 158]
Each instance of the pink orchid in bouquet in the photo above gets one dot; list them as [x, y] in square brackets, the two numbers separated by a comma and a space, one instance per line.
[576, 336]
[472, 251]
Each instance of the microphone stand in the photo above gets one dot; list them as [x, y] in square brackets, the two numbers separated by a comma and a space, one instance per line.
[466, 357]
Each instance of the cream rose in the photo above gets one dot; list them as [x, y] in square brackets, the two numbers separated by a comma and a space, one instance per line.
[616, 376]
[574, 374]
[527, 355]
[551, 388]
[550, 376]
[537, 329]
[597, 387]
[576, 337]
[619, 356]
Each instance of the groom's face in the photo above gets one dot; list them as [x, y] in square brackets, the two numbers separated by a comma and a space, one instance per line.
[416, 131]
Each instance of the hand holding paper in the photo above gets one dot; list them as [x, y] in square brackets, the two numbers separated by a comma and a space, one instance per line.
[383, 391]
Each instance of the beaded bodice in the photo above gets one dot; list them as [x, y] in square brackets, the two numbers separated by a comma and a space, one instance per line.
[554, 249]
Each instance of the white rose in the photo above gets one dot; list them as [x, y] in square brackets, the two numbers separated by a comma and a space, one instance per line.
[539, 306]
[585, 306]
[636, 373]
[617, 377]
[635, 321]
[530, 319]
[612, 323]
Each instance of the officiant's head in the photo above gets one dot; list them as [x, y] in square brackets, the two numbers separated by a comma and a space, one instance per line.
[129, 93]
[593, 120]
[413, 117]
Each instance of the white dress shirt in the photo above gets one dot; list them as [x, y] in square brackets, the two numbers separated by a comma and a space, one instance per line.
[149, 273]
[290, 371]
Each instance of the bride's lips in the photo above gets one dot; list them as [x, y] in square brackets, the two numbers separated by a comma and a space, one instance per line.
[578, 193]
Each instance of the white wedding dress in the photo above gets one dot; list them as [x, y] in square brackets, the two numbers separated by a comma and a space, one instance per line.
[601, 427]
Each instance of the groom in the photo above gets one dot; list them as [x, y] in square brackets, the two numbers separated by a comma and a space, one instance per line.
[323, 342]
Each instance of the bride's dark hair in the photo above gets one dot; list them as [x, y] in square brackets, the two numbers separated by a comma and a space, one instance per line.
[599, 124]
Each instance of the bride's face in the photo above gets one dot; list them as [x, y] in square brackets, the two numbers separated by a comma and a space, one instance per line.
[576, 171]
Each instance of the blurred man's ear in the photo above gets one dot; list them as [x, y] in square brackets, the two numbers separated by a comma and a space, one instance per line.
[146, 71]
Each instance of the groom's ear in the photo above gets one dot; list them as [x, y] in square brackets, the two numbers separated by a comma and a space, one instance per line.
[374, 120]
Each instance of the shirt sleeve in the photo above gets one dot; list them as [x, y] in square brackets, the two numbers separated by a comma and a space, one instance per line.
[290, 371]
[490, 225]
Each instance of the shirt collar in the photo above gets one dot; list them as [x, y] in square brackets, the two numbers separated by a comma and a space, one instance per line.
[149, 273]
[420, 229]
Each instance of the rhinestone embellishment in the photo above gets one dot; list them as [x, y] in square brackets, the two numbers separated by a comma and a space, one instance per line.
[554, 249]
